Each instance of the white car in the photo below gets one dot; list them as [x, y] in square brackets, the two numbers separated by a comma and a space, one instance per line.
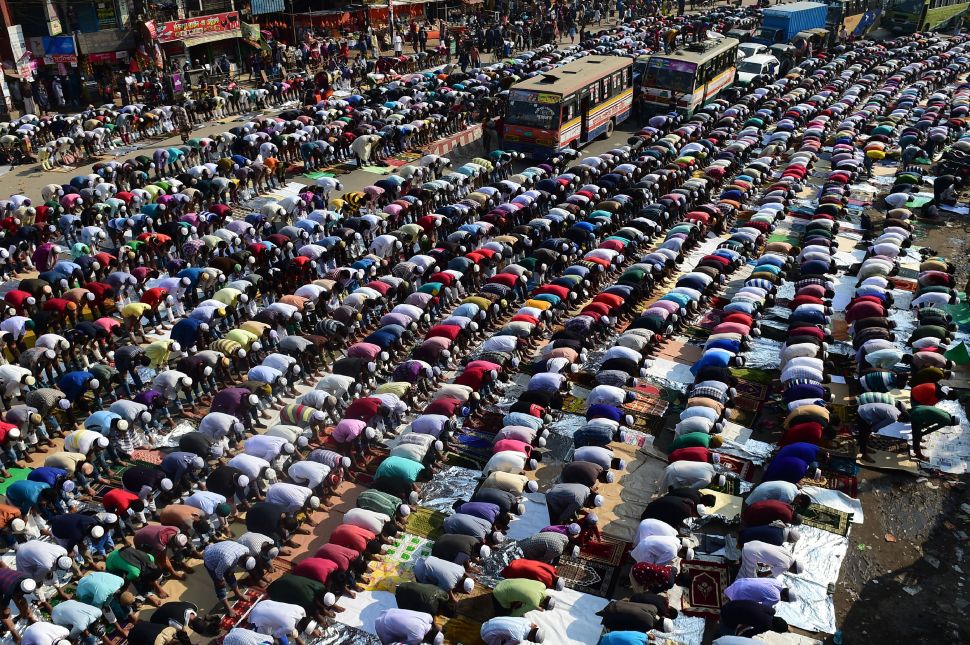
[747, 50]
[757, 65]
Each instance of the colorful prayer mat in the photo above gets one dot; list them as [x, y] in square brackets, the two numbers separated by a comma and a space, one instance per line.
[646, 404]
[406, 549]
[731, 486]
[752, 375]
[476, 449]
[705, 593]
[827, 519]
[742, 468]
[848, 484]
[573, 405]
[425, 523]
[752, 390]
[386, 575]
[587, 576]
[607, 550]
[153, 457]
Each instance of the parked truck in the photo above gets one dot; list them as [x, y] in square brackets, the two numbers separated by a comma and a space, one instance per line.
[780, 24]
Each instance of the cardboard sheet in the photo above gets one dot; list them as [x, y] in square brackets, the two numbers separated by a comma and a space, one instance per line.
[727, 506]
[625, 499]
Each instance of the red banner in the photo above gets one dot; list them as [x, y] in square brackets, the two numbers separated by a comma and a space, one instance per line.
[198, 27]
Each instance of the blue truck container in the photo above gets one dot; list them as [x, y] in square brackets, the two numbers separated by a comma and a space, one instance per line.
[781, 23]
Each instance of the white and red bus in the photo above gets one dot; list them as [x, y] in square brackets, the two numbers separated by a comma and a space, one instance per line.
[687, 78]
[568, 106]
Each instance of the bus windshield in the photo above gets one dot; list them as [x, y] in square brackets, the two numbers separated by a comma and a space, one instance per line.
[908, 6]
[670, 74]
[533, 110]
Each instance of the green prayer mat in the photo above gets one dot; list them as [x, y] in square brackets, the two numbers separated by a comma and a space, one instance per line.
[318, 174]
[16, 475]
[960, 313]
[827, 519]
[425, 522]
[752, 374]
[407, 548]
[959, 353]
[378, 170]
[782, 237]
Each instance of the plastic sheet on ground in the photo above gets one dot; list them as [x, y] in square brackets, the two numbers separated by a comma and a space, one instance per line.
[573, 620]
[946, 450]
[738, 442]
[837, 500]
[492, 566]
[536, 517]
[171, 440]
[763, 354]
[362, 611]
[340, 634]
[813, 609]
[567, 424]
[448, 486]
[688, 630]
[669, 374]
[822, 554]
[844, 292]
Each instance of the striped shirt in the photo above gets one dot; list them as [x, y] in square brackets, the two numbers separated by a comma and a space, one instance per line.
[544, 546]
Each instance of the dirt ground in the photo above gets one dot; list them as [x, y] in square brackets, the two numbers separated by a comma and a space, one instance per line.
[904, 579]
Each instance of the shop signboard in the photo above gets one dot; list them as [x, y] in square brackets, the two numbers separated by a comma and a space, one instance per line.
[107, 18]
[59, 49]
[220, 24]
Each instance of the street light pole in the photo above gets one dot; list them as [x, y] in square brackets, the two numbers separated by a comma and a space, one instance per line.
[293, 20]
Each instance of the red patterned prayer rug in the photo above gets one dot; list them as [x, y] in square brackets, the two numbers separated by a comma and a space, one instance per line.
[705, 593]
[743, 468]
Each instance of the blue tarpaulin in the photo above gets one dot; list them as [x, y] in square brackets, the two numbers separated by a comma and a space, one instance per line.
[266, 6]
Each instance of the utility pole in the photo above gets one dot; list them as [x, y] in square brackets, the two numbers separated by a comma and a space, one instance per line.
[390, 19]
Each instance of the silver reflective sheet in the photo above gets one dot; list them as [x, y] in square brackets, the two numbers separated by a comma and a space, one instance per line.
[822, 554]
[500, 558]
[339, 634]
[448, 486]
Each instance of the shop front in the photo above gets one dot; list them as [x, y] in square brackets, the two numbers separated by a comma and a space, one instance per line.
[206, 40]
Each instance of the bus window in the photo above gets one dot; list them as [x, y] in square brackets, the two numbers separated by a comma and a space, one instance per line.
[569, 110]
[702, 75]
[629, 77]
[615, 80]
